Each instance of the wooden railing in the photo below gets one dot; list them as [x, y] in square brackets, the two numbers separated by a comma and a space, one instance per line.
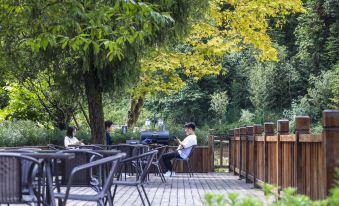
[302, 160]
[218, 150]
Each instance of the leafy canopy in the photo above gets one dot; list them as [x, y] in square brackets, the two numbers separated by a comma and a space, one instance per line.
[229, 26]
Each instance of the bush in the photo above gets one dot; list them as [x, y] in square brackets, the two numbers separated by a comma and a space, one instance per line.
[119, 137]
[246, 118]
[23, 132]
[29, 133]
[288, 197]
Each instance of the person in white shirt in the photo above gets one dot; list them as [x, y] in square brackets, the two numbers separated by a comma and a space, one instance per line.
[70, 138]
[183, 149]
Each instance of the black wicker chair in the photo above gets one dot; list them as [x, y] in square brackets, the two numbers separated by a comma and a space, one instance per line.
[187, 160]
[149, 156]
[28, 168]
[16, 175]
[104, 192]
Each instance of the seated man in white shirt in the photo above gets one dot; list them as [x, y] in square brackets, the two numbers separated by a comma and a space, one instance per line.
[70, 138]
[183, 149]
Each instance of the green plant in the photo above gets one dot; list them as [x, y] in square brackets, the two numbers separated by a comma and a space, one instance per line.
[246, 118]
[219, 102]
[288, 197]
[119, 137]
[28, 133]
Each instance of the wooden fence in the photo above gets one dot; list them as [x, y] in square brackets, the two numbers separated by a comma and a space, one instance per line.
[301, 160]
[218, 150]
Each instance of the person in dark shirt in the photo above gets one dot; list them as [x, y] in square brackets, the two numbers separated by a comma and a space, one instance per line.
[108, 128]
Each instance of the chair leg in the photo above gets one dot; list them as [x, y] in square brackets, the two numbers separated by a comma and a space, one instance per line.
[142, 199]
[100, 202]
[109, 199]
[114, 191]
[146, 195]
[189, 167]
[161, 174]
[189, 162]
[174, 166]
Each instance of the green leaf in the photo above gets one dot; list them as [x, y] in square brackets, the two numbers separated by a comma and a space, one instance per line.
[64, 43]
[96, 47]
[44, 43]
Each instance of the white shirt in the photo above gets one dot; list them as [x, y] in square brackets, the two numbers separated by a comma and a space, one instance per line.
[186, 146]
[71, 141]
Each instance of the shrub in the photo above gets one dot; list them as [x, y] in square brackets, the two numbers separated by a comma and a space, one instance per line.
[246, 118]
[23, 132]
[119, 137]
[29, 133]
[288, 197]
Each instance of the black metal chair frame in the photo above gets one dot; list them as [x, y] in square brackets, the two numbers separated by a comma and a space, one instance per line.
[91, 146]
[93, 156]
[187, 160]
[55, 147]
[104, 191]
[156, 162]
[131, 150]
[143, 176]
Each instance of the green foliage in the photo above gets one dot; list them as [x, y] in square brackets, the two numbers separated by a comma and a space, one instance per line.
[183, 107]
[106, 37]
[22, 104]
[288, 197]
[102, 41]
[119, 137]
[317, 99]
[219, 102]
[39, 100]
[272, 85]
[29, 133]
[335, 89]
[117, 109]
[246, 118]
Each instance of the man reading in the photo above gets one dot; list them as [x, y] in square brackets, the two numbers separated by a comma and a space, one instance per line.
[183, 150]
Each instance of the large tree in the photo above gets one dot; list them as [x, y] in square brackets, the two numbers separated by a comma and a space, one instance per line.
[228, 26]
[104, 38]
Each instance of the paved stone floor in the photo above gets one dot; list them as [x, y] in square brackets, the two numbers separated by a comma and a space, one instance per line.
[180, 190]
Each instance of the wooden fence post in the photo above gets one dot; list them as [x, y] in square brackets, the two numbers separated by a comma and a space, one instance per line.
[236, 156]
[242, 149]
[268, 130]
[249, 137]
[282, 129]
[221, 151]
[330, 146]
[211, 148]
[302, 126]
[257, 130]
[230, 148]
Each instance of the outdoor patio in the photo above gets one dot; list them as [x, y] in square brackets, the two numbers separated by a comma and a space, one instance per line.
[180, 190]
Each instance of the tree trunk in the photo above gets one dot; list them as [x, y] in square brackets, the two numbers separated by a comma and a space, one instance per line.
[135, 110]
[95, 107]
